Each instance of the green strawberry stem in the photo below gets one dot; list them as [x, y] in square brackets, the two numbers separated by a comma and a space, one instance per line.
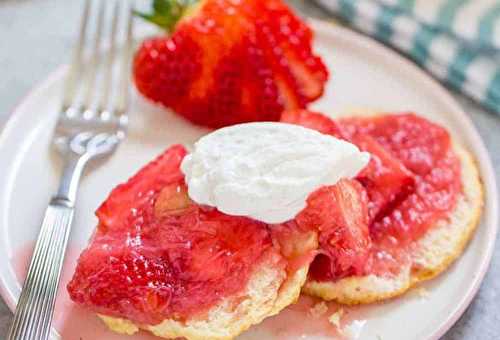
[166, 13]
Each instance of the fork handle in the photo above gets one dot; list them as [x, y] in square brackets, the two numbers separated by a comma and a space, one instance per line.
[33, 315]
[35, 307]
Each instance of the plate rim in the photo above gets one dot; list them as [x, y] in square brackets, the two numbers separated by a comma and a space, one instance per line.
[361, 42]
[488, 216]
[5, 130]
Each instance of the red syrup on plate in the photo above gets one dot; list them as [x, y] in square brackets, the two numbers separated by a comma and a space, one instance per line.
[308, 319]
[297, 321]
[71, 321]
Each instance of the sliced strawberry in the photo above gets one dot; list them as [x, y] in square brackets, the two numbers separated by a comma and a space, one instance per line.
[311, 120]
[141, 189]
[291, 42]
[340, 215]
[229, 62]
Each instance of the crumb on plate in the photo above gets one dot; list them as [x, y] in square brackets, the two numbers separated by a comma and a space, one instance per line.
[319, 309]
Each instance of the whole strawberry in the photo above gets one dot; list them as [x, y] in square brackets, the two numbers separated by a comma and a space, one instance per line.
[225, 62]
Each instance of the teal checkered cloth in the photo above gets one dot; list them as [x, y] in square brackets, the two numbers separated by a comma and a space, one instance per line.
[457, 41]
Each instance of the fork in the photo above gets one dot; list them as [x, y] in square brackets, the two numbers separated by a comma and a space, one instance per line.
[86, 129]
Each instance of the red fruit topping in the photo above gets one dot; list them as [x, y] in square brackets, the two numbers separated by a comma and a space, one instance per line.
[341, 216]
[172, 200]
[414, 140]
[312, 120]
[156, 255]
[424, 148]
[142, 189]
[386, 179]
[230, 62]
[298, 244]
[412, 180]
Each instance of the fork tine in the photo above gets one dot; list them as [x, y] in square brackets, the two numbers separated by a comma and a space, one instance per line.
[95, 56]
[122, 97]
[76, 64]
[108, 64]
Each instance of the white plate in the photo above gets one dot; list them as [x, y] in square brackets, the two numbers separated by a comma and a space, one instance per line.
[364, 74]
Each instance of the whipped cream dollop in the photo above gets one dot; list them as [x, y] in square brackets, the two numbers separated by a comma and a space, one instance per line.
[266, 171]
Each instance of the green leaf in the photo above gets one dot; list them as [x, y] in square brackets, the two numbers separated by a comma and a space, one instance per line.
[166, 13]
[162, 6]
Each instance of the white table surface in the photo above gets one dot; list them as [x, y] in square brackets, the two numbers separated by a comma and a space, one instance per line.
[36, 37]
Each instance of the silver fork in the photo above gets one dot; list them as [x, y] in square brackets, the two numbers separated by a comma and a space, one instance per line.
[84, 131]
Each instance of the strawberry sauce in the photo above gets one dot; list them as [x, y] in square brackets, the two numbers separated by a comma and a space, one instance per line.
[424, 149]
[412, 181]
[157, 255]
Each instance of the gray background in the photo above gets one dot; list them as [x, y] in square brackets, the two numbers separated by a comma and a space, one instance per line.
[36, 36]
